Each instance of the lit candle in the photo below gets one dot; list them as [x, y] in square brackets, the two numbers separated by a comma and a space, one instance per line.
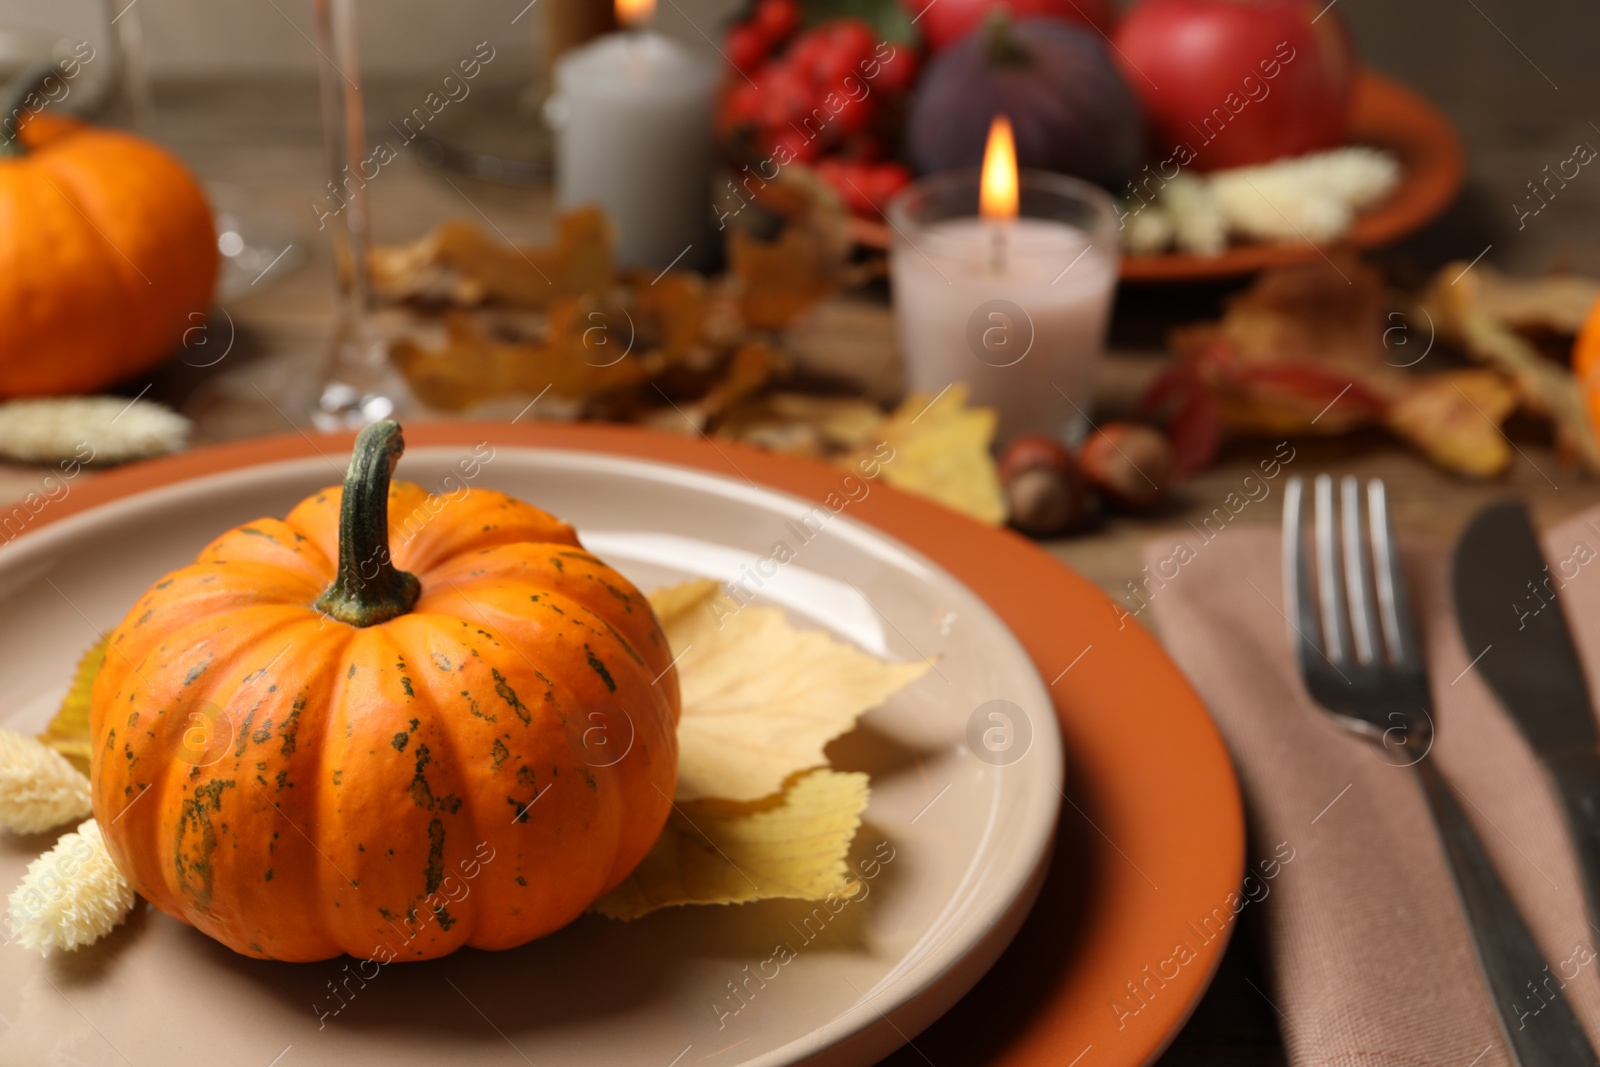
[1003, 280]
[632, 117]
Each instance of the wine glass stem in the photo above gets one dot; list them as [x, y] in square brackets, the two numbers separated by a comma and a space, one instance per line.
[339, 76]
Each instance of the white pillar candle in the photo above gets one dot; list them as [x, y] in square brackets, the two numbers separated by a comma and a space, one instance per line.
[632, 117]
[1015, 308]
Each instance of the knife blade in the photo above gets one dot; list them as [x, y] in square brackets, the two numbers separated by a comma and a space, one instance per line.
[1509, 608]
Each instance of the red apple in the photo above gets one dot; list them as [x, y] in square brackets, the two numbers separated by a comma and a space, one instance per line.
[944, 22]
[1228, 83]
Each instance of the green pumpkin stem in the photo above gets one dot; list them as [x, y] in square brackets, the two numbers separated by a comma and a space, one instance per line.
[369, 588]
[16, 106]
[1001, 46]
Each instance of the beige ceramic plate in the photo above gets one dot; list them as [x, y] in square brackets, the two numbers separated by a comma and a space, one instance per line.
[968, 836]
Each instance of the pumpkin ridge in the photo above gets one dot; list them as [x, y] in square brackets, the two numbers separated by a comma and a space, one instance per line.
[343, 924]
[468, 817]
[234, 813]
[483, 519]
[451, 811]
[290, 560]
[304, 859]
[568, 589]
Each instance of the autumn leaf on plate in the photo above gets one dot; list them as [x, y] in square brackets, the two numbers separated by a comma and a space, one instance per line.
[724, 852]
[68, 732]
[761, 697]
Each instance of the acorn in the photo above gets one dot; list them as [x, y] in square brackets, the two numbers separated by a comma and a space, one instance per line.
[1128, 464]
[1045, 494]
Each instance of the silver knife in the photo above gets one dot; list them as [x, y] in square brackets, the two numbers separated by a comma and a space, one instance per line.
[1509, 606]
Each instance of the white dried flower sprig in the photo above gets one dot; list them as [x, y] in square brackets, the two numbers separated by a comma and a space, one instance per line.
[39, 789]
[89, 429]
[1314, 197]
[71, 896]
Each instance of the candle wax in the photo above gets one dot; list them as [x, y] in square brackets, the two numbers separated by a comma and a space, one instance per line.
[1016, 308]
[633, 134]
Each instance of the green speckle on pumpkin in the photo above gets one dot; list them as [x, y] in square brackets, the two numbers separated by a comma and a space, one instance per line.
[599, 668]
[434, 874]
[509, 695]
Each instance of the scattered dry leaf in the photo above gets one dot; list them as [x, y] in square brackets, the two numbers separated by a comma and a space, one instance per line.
[472, 366]
[459, 263]
[760, 697]
[778, 280]
[803, 425]
[1454, 419]
[1553, 302]
[940, 451]
[723, 852]
[775, 281]
[1298, 352]
[68, 731]
[1546, 388]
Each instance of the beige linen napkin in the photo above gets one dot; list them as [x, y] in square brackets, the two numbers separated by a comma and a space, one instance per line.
[1366, 947]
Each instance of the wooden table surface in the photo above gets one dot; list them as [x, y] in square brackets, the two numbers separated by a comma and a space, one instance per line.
[263, 139]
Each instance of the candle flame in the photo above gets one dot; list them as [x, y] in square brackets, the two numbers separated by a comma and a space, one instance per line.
[633, 12]
[997, 189]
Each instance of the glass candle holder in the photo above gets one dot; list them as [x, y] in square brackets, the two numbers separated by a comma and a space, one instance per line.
[1016, 308]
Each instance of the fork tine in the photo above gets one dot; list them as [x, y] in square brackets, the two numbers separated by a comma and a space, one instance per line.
[1399, 629]
[1330, 578]
[1364, 630]
[1297, 584]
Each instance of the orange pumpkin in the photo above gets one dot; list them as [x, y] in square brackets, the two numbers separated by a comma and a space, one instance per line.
[307, 746]
[1586, 364]
[109, 255]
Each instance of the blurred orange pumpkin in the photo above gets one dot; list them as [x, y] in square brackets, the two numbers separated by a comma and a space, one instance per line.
[109, 255]
[1586, 364]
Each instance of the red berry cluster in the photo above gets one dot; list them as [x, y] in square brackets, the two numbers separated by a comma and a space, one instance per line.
[830, 95]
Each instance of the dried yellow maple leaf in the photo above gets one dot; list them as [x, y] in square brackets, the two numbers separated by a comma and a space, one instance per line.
[760, 697]
[722, 852]
[941, 451]
[68, 732]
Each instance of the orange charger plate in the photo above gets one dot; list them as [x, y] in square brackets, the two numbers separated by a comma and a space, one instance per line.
[1154, 842]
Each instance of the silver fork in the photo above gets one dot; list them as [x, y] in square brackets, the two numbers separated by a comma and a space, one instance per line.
[1352, 629]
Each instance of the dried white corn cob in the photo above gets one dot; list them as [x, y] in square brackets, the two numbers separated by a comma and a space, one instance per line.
[71, 896]
[90, 429]
[39, 789]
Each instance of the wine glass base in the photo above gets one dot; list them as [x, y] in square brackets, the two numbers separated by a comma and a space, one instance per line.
[344, 406]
